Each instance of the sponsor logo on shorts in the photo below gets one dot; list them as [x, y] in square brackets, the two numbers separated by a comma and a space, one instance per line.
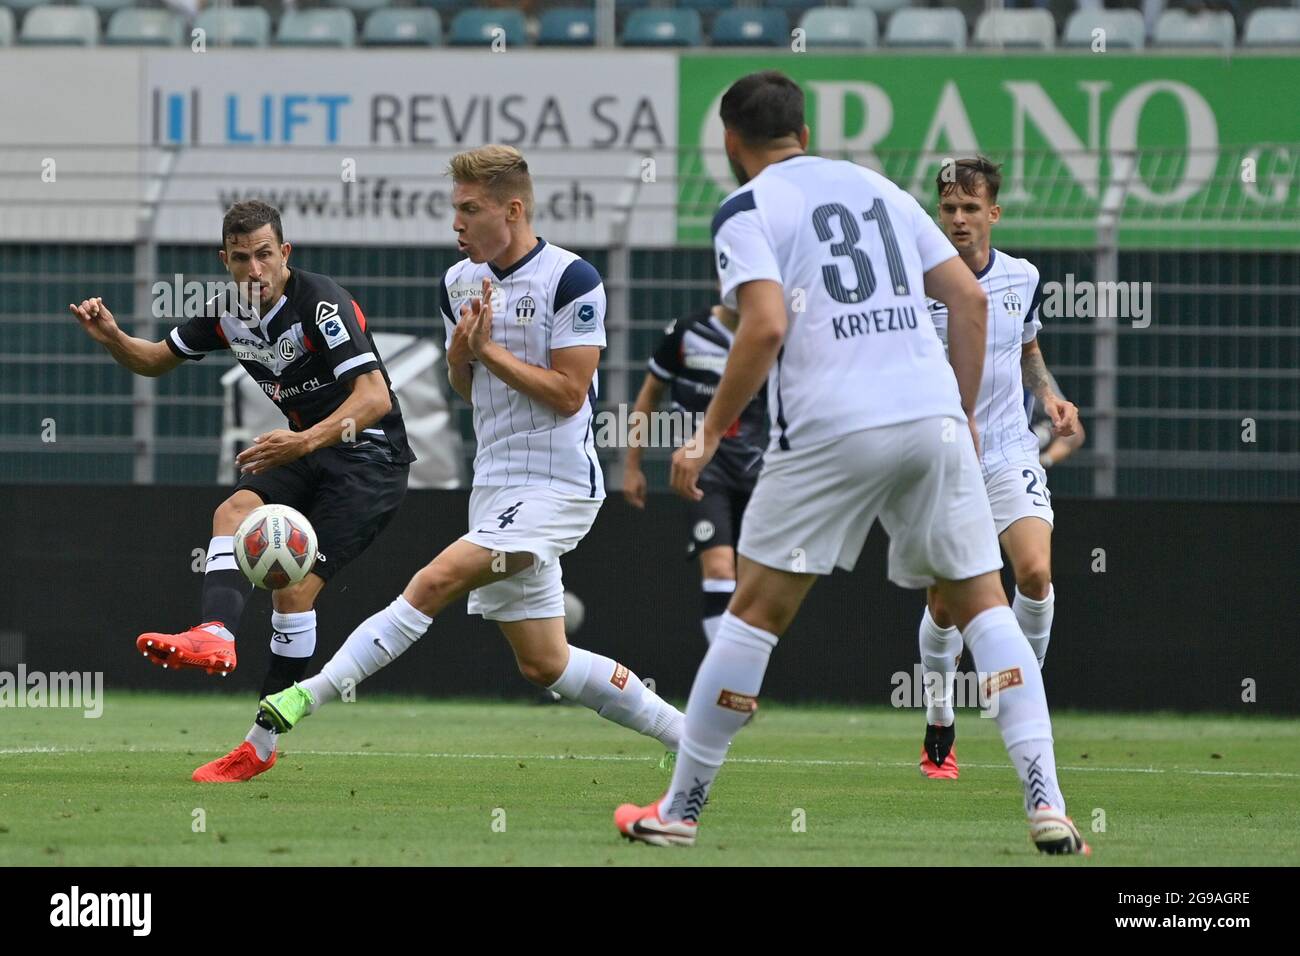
[744, 703]
[703, 530]
[619, 677]
[1002, 680]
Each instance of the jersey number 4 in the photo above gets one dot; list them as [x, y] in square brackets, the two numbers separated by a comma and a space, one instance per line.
[847, 248]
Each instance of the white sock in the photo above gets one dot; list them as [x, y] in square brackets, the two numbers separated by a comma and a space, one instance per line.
[378, 641]
[723, 696]
[293, 635]
[1035, 619]
[717, 595]
[940, 648]
[617, 694]
[1012, 682]
[263, 741]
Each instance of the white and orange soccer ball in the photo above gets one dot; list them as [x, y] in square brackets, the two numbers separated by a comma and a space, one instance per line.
[275, 546]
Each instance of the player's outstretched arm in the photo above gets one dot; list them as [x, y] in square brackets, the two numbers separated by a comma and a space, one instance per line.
[634, 484]
[953, 284]
[141, 357]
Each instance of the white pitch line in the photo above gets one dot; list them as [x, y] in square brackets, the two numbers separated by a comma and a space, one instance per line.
[624, 758]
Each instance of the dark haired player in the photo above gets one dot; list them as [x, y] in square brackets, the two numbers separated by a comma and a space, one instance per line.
[343, 460]
[688, 362]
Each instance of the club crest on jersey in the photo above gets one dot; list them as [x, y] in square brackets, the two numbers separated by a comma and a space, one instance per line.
[525, 309]
[584, 317]
[1011, 302]
[330, 325]
[287, 350]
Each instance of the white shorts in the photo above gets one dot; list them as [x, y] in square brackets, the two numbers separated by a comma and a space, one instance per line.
[529, 519]
[812, 507]
[1018, 491]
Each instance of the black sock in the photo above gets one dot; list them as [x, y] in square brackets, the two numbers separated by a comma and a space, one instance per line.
[283, 672]
[224, 595]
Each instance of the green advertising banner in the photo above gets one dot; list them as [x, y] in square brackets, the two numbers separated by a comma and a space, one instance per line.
[1175, 152]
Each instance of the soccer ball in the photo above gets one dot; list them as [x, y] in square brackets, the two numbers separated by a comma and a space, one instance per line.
[275, 547]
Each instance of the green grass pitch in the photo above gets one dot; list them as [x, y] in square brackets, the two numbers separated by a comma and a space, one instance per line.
[406, 781]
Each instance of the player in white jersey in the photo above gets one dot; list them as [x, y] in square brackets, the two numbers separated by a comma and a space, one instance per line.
[525, 323]
[829, 264]
[1015, 479]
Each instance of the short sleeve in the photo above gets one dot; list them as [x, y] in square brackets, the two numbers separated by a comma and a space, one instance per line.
[666, 361]
[197, 337]
[578, 307]
[742, 250]
[1033, 320]
[338, 332]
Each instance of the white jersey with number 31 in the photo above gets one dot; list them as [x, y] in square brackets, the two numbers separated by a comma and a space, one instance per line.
[850, 250]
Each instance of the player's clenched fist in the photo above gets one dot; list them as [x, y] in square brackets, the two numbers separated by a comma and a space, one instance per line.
[96, 320]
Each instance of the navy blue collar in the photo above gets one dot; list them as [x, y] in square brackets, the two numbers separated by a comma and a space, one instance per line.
[985, 271]
[528, 257]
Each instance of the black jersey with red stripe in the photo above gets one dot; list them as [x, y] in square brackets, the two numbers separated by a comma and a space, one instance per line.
[301, 352]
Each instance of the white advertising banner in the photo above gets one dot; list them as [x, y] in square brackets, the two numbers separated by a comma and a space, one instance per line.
[352, 145]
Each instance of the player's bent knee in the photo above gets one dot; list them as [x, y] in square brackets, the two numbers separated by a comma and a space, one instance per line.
[540, 671]
[433, 588]
[231, 512]
[1035, 580]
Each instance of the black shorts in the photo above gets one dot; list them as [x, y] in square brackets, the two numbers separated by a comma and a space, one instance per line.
[715, 518]
[349, 493]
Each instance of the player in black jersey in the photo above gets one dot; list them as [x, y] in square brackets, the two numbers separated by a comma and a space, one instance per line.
[343, 461]
[688, 362]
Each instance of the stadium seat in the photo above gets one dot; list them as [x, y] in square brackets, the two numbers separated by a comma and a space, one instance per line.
[660, 27]
[911, 27]
[751, 28]
[136, 27]
[359, 6]
[1178, 28]
[1016, 29]
[6, 26]
[705, 6]
[880, 6]
[402, 26]
[567, 26]
[1273, 26]
[235, 26]
[1125, 29]
[103, 7]
[317, 28]
[837, 27]
[76, 26]
[478, 27]
[22, 5]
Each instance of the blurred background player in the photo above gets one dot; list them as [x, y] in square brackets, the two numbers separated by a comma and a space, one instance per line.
[867, 423]
[525, 323]
[1009, 462]
[343, 461]
[689, 361]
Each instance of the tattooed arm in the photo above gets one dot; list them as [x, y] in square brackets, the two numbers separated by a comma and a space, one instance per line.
[1033, 370]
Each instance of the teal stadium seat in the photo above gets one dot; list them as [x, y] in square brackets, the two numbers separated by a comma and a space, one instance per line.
[402, 26]
[235, 26]
[361, 6]
[136, 27]
[1016, 29]
[567, 26]
[6, 26]
[932, 29]
[317, 28]
[1178, 28]
[60, 26]
[1272, 26]
[837, 27]
[1124, 29]
[751, 28]
[479, 28]
[659, 27]
[880, 7]
[105, 7]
